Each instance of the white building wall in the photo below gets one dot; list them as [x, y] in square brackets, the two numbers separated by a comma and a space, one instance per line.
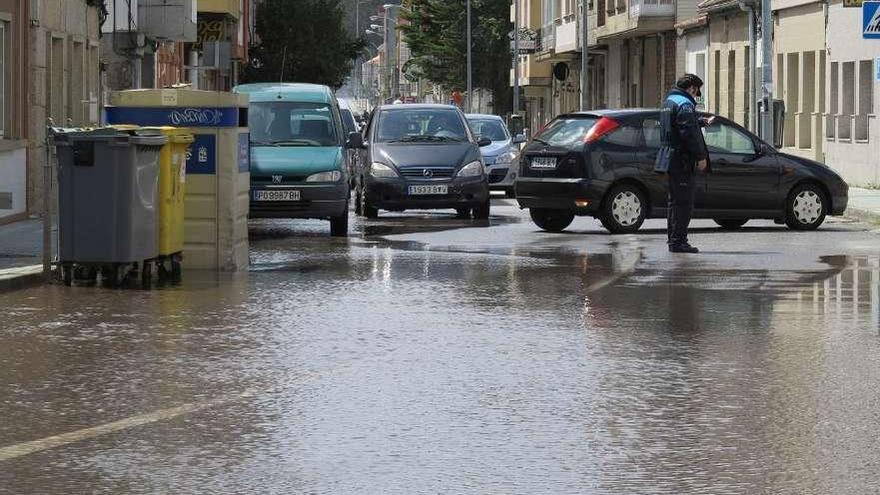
[696, 57]
[854, 153]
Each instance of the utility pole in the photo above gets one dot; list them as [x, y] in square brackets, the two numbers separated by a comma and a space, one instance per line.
[767, 71]
[470, 81]
[516, 57]
[585, 53]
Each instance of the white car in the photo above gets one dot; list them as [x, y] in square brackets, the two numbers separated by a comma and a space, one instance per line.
[501, 154]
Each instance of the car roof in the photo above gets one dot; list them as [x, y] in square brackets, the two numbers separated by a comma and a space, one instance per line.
[487, 116]
[417, 106]
[614, 112]
[312, 93]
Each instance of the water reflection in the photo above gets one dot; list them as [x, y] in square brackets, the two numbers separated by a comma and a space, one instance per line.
[456, 368]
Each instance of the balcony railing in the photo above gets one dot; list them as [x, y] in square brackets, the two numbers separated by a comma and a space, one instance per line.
[651, 8]
[546, 38]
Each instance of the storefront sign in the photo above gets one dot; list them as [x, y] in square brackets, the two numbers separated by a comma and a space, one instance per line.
[176, 116]
[852, 3]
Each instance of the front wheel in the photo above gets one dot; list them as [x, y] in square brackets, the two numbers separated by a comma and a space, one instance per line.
[367, 210]
[806, 207]
[339, 225]
[551, 220]
[730, 223]
[482, 212]
[624, 209]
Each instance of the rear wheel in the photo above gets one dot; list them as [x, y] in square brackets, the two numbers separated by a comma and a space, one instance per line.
[806, 207]
[551, 220]
[482, 212]
[730, 223]
[624, 209]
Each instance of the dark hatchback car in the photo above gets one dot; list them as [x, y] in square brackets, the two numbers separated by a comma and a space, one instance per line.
[601, 164]
[420, 157]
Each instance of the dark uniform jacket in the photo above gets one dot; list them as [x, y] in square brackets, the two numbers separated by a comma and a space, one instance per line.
[681, 132]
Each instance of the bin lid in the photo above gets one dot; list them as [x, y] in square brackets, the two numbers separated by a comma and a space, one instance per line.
[174, 134]
[131, 134]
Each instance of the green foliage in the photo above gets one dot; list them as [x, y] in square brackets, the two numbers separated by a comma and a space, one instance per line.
[301, 41]
[437, 37]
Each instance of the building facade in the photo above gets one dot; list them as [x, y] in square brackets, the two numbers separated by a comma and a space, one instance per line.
[49, 69]
[852, 82]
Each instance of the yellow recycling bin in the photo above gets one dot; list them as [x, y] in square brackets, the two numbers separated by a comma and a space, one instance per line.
[172, 188]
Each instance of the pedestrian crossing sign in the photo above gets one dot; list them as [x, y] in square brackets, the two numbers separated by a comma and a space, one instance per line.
[871, 20]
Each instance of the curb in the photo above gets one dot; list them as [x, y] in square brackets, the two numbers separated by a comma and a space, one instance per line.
[865, 216]
[20, 277]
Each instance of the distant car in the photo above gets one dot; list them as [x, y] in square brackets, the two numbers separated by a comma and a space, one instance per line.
[501, 154]
[419, 156]
[298, 153]
[601, 164]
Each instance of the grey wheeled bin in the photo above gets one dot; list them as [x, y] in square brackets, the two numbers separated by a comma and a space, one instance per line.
[107, 203]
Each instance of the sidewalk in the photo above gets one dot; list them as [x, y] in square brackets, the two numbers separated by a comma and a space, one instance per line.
[21, 253]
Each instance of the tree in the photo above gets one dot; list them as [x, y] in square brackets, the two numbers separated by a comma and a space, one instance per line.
[301, 41]
[436, 32]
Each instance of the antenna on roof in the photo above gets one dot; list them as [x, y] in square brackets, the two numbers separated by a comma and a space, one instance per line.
[283, 59]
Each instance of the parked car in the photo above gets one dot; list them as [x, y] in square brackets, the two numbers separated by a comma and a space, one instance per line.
[601, 163]
[350, 125]
[499, 155]
[298, 159]
[420, 156]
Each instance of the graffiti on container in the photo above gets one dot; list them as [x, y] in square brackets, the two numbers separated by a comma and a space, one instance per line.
[196, 116]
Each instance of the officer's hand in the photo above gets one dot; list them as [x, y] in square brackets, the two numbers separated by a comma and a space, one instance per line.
[702, 165]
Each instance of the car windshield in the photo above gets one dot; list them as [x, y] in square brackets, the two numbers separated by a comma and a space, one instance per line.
[565, 131]
[289, 123]
[489, 128]
[421, 125]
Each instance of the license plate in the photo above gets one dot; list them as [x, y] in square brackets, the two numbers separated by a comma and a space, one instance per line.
[431, 189]
[279, 195]
[543, 162]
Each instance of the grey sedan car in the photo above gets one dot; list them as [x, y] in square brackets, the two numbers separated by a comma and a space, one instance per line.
[499, 155]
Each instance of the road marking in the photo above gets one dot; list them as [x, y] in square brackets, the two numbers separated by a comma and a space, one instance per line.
[47, 443]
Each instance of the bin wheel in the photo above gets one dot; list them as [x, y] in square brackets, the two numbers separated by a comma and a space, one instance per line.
[146, 274]
[176, 270]
[67, 274]
[110, 275]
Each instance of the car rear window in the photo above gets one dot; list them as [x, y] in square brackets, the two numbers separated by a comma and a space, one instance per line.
[566, 131]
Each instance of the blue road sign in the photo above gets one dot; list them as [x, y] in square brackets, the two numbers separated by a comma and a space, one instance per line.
[871, 20]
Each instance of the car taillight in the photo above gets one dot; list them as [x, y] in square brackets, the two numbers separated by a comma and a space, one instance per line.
[599, 129]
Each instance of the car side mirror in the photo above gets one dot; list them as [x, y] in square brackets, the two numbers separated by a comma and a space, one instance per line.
[484, 141]
[764, 149]
[519, 139]
[355, 141]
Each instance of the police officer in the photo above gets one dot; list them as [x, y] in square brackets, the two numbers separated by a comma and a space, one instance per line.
[688, 154]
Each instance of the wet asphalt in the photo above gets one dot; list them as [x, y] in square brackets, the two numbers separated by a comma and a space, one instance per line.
[427, 354]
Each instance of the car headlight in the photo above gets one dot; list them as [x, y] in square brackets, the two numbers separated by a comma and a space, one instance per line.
[382, 171]
[472, 169]
[332, 176]
[506, 157]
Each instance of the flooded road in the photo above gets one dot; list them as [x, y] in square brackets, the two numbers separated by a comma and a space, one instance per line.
[427, 354]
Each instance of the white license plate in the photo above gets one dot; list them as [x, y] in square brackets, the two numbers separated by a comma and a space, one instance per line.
[543, 162]
[277, 195]
[432, 189]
